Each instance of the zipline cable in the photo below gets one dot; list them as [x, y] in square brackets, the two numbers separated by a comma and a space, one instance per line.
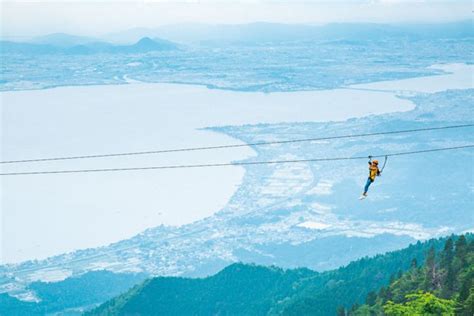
[170, 238]
[384, 163]
[235, 145]
[245, 163]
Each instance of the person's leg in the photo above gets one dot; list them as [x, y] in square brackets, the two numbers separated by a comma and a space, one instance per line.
[367, 184]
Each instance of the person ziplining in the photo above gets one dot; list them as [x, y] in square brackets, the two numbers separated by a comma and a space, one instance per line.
[374, 172]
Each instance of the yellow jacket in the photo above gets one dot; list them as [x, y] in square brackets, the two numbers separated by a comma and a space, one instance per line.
[373, 171]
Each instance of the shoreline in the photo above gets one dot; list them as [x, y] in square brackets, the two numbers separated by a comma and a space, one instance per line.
[134, 202]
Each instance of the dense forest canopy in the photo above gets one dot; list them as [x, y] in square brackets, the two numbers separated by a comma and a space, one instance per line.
[444, 285]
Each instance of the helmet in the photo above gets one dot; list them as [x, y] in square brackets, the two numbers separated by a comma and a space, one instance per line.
[376, 162]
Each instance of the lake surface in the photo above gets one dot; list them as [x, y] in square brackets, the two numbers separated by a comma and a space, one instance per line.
[52, 214]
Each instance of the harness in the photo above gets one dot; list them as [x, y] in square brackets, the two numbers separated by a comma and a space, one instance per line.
[384, 162]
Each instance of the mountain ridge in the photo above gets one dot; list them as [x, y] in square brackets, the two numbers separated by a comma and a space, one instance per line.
[259, 32]
[242, 289]
[70, 47]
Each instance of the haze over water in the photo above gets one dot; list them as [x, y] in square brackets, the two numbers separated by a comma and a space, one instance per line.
[71, 121]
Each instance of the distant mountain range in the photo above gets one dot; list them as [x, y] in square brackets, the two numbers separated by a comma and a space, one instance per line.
[63, 40]
[261, 32]
[69, 44]
[140, 40]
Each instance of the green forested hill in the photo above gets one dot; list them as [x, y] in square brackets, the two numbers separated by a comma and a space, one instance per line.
[444, 285]
[242, 289]
[238, 289]
[72, 294]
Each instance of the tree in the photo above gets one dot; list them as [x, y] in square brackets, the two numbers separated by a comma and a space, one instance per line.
[446, 278]
[392, 278]
[421, 304]
[466, 286]
[467, 308]
[470, 247]
[354, 308]
[363, 310]
[430, 270]
[446, 264]
[383, 294]
[461, 251]
[371, 298]
[447, 254]
[341, 311]
[449, 281]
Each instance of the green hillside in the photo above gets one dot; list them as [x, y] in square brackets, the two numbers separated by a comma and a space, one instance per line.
[73, 294]
[242, 289]
[444, 285]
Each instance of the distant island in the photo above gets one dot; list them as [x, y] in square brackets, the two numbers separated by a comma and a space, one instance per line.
[69, 44]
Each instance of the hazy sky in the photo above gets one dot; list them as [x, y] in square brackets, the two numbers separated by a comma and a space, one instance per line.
[37, 17]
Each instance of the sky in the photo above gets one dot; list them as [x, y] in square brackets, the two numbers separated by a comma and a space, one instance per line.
[87, 17]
